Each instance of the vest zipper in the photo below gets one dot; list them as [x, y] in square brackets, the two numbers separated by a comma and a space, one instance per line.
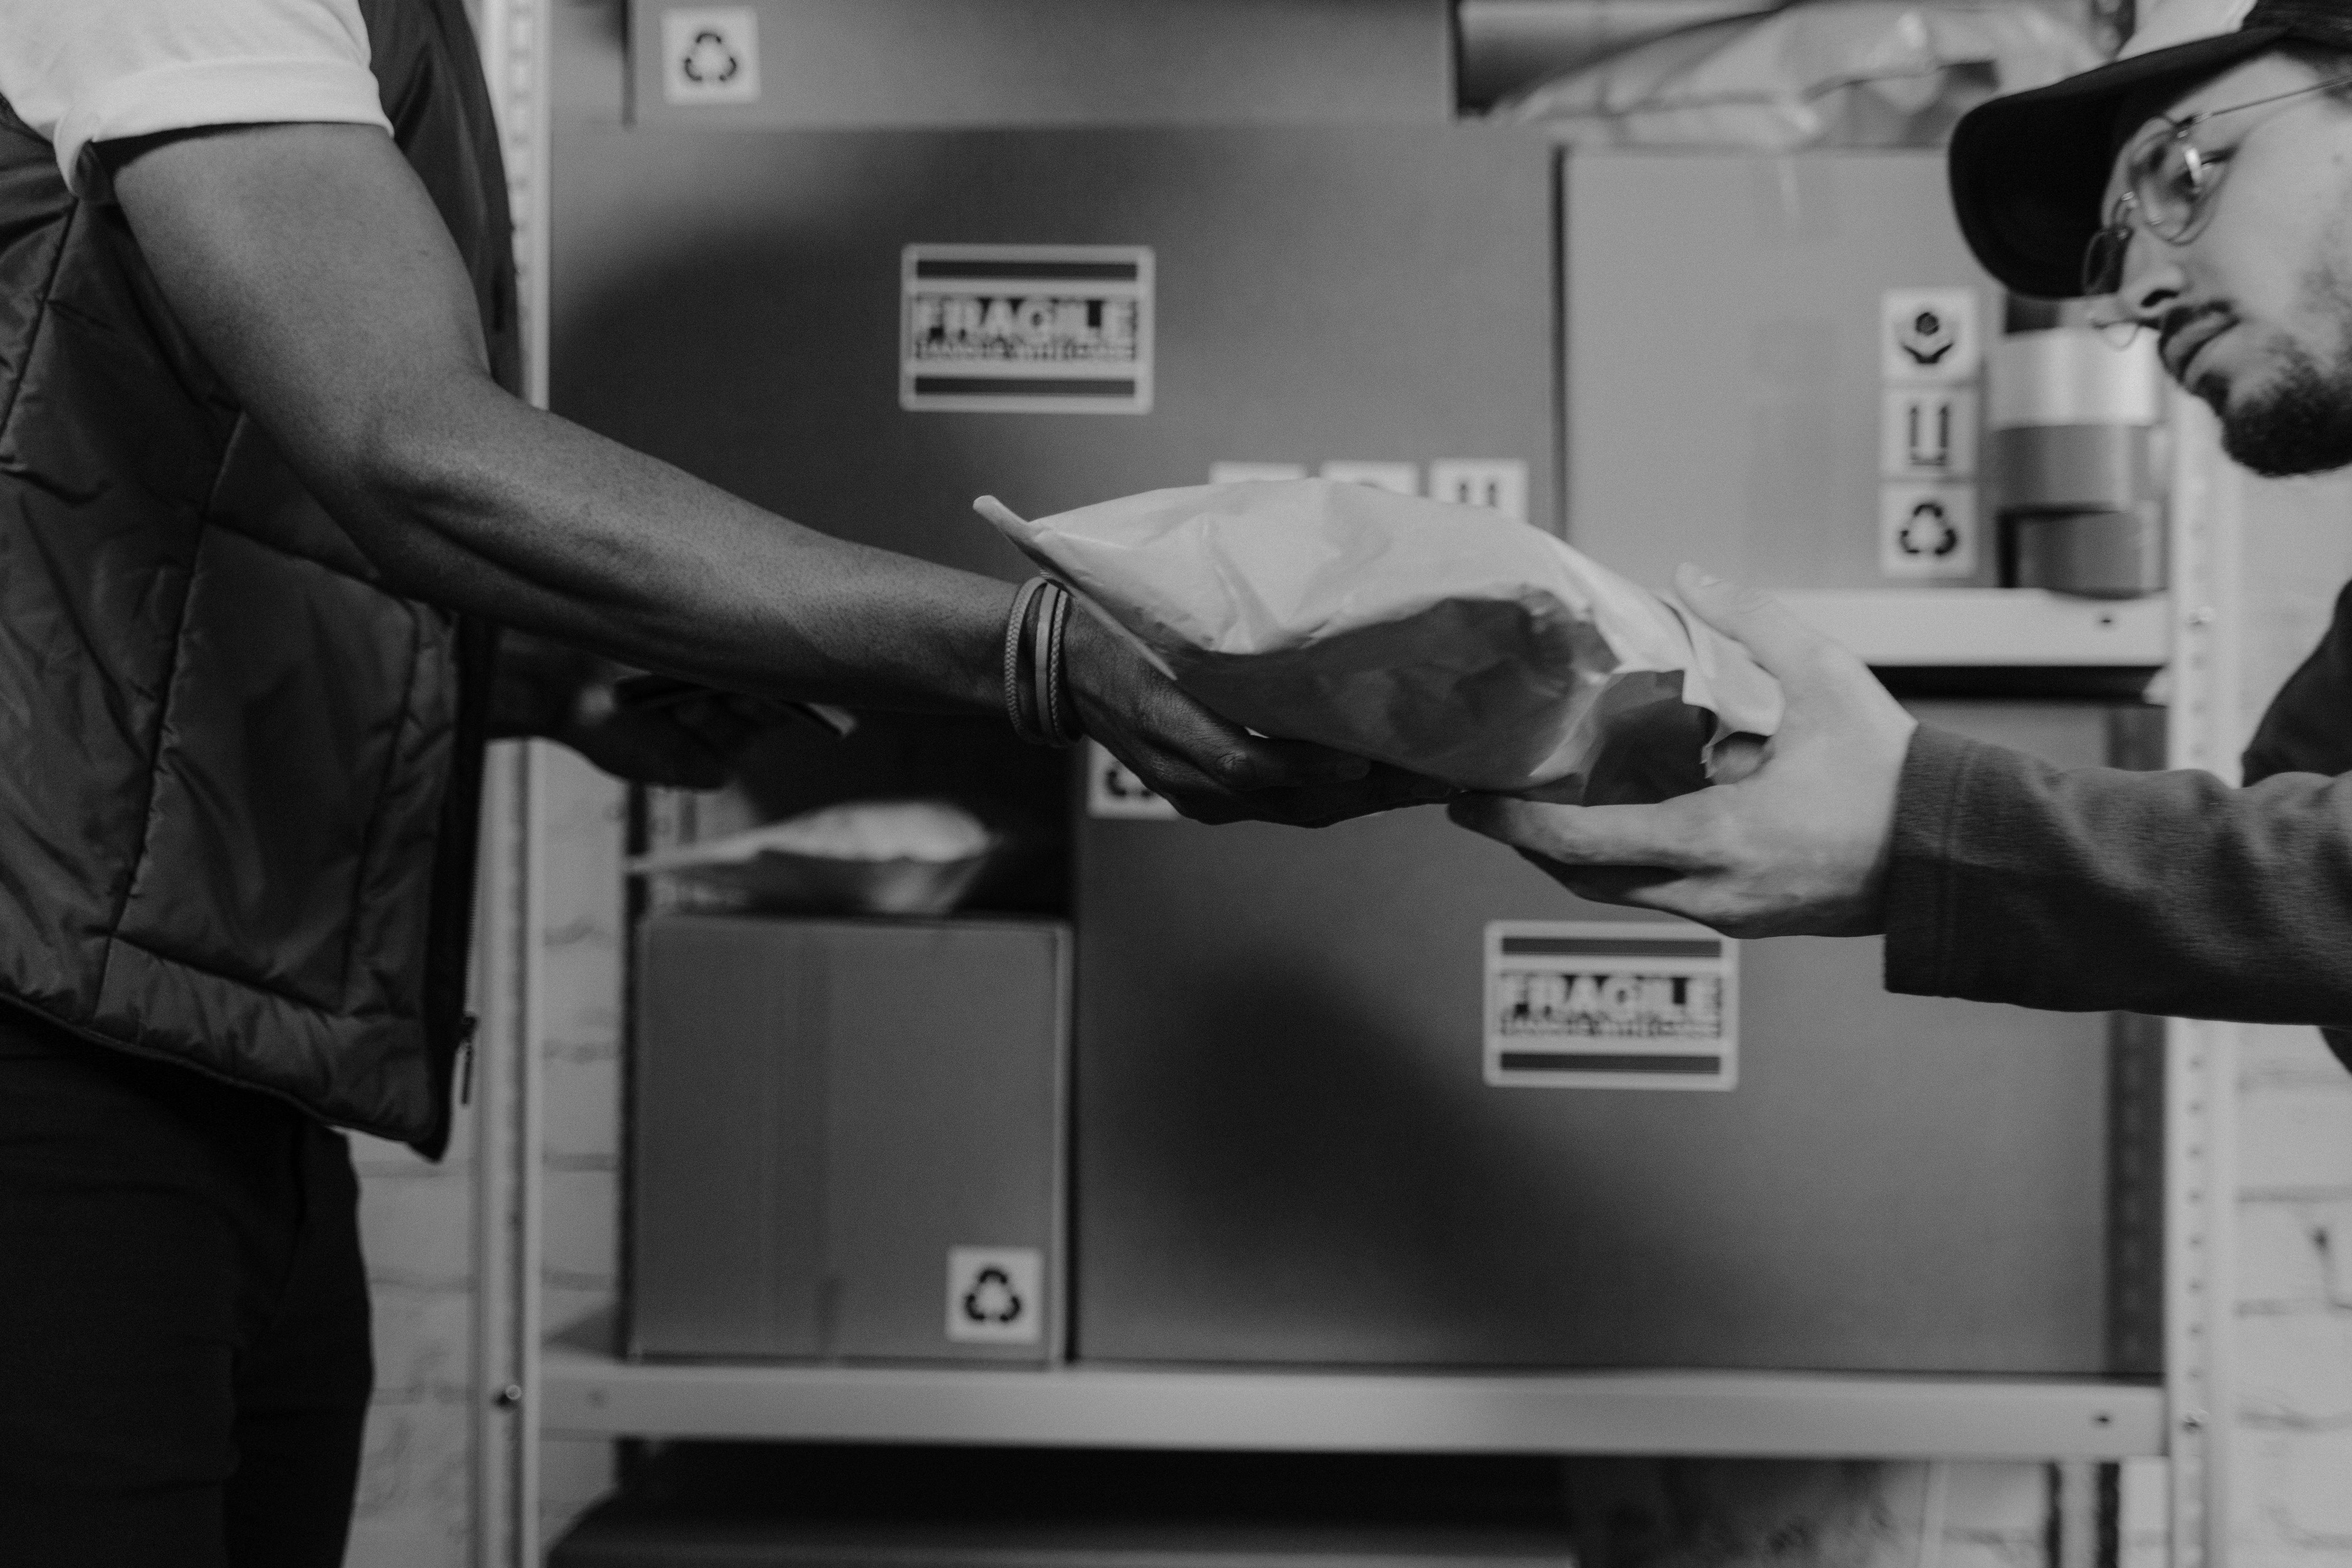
[466, 1030]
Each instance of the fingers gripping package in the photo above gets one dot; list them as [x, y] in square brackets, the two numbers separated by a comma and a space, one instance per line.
[1446, 640]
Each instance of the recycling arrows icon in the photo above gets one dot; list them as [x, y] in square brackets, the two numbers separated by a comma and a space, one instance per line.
[709, 60]
[992, 1298]
[1929, 531]
[996, 1296]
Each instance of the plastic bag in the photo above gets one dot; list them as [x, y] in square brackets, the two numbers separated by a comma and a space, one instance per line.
[1447, 639]
[866, 857]
[1826, 73]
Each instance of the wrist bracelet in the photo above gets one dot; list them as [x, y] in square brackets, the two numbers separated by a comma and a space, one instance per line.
[1015, 639]
[1061, 720]
[1035, 695]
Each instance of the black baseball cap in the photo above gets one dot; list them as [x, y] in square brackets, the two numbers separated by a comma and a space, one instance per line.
[2028, 169]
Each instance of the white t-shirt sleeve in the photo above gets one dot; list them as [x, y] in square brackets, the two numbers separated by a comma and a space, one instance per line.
[86, 71]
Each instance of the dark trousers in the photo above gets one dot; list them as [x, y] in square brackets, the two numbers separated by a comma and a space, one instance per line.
[183, 1320]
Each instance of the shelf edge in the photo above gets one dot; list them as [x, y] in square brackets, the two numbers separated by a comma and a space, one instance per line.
[1757, 1414]
[1990, 627]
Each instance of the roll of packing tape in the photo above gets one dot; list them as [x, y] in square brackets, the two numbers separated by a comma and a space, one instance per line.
[2069, 468]
[2100, 555]
[2071, 375]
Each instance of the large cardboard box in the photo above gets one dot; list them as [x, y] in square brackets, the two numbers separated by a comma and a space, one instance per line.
[846, 1139]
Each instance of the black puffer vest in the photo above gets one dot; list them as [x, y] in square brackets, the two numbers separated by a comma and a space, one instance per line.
[238, 810]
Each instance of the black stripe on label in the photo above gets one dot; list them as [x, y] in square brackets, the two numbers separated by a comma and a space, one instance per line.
[1613, 947]
[1042, 271]
[1021, 386]
[1585, 1062]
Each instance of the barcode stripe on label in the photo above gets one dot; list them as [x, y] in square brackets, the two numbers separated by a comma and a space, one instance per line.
[1023, 386]
[1598, 1062]
[1029, 270]
[1613, 947]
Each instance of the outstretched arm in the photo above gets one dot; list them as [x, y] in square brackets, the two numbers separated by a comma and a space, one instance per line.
[1994, 875]
[311, 267]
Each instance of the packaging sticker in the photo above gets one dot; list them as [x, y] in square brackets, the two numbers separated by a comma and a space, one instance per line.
[1929, 335]
[1928, 530]
[1405, 478]
[996, 1295]
[1610, 1005]
[1499, 483]
[711, 54]
[1928, 432]
[1237, 473]
[1025, 328]
[1114, 790]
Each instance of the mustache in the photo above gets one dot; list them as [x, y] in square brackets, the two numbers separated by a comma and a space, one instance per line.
[2181, 318]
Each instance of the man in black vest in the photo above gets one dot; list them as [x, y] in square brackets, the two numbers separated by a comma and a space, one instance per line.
[263, 489]
[2199, 189]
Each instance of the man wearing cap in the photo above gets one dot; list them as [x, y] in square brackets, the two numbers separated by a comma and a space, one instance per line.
[2199, 188]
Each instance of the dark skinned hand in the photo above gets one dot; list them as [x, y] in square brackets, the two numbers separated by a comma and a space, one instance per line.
[1213, 770]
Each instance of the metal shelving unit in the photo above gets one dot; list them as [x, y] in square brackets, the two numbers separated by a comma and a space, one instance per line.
[1785, 1415]
[529, 1388]
[1994, 628]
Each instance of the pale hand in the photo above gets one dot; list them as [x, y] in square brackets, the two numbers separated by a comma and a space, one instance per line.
[1799, 846]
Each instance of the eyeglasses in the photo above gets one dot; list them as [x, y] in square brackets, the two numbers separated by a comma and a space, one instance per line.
[2169, 188]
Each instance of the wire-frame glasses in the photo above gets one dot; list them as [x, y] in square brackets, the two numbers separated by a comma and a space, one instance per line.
[2169, 188]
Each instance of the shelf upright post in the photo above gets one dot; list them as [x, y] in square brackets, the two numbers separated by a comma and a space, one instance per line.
[514, 40]
[2200, 1057]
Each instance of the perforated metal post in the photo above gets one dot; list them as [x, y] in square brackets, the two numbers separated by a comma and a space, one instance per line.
[514, 37]
[2201, 1176]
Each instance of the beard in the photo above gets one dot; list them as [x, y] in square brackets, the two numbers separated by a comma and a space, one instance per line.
[2299, 421]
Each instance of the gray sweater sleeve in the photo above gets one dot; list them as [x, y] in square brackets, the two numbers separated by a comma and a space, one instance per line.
[2079, 889]
[2014, 881]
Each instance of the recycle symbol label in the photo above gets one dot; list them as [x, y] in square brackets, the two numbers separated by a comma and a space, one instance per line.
[710, 55]
[1929, 531]
[992, 1298]
[996, 1295]
[709, 60]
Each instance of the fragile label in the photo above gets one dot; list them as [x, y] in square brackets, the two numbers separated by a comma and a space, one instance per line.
[1928, 432]
[1929, 335]
[1610, 1005]
[1025, 328]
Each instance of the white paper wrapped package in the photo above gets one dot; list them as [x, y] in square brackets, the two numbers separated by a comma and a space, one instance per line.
[1447, 639]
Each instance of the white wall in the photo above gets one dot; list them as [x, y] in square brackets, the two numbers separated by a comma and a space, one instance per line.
[415, 1508]
[2291, 1474]
[582, 938]
[416, 1501]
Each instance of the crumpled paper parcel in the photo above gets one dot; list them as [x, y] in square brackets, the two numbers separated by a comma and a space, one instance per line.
[1449, 640]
